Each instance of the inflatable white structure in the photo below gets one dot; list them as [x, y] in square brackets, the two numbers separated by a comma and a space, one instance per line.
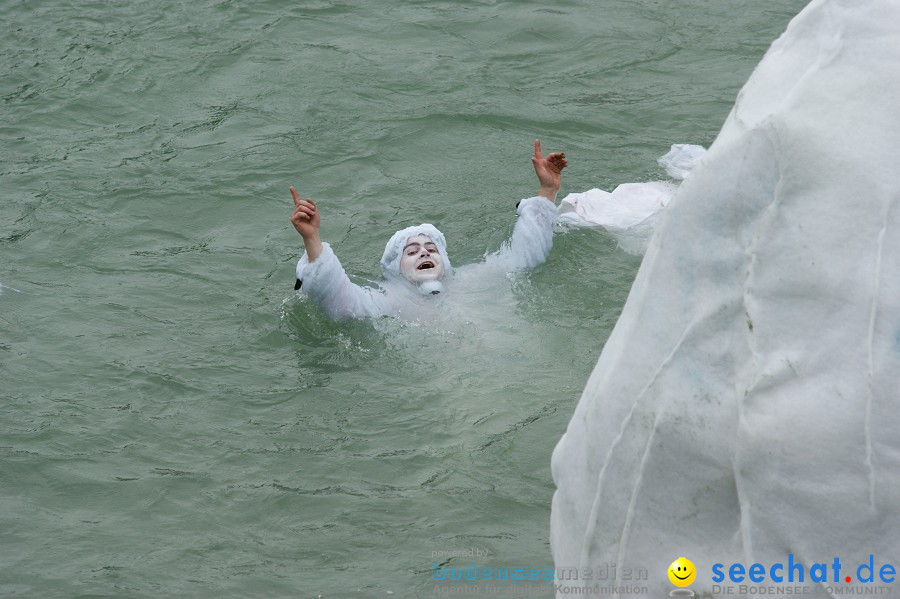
[746, 408]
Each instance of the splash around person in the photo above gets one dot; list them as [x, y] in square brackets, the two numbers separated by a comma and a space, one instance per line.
[415, 261]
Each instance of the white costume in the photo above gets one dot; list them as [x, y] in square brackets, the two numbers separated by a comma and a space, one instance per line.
[326, 283]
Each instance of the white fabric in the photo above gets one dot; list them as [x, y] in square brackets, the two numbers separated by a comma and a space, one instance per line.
[630, 212]
[532, 236]
[326, 283]
[681, 159]
[747, 404]
[629, 205]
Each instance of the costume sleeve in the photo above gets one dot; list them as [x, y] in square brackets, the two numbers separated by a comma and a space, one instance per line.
[532, 236]
[326, 283]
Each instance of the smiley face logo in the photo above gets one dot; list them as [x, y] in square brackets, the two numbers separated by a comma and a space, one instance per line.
[682, 572]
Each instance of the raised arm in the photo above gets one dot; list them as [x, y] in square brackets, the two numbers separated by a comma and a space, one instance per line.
[320, 272]
[532, 236]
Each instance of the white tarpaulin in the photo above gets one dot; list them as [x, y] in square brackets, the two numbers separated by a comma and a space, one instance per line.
[747, 405]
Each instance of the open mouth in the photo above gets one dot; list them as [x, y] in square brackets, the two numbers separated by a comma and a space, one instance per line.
[428, 264]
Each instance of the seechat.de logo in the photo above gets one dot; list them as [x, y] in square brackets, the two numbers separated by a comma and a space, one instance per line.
[795, 571]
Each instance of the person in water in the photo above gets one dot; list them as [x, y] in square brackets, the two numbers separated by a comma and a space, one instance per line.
[415, 261]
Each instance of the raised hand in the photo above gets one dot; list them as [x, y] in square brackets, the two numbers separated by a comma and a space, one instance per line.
[305, 219]
[548, 170]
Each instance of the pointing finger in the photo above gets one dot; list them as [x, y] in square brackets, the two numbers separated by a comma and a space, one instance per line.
[295, 195]
[537, 149]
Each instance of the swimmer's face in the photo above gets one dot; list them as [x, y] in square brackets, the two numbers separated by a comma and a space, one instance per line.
[421, 261]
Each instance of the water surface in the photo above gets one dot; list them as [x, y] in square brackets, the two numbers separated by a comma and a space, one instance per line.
[174, 421]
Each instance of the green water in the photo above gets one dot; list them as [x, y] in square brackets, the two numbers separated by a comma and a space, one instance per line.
[173, 420]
